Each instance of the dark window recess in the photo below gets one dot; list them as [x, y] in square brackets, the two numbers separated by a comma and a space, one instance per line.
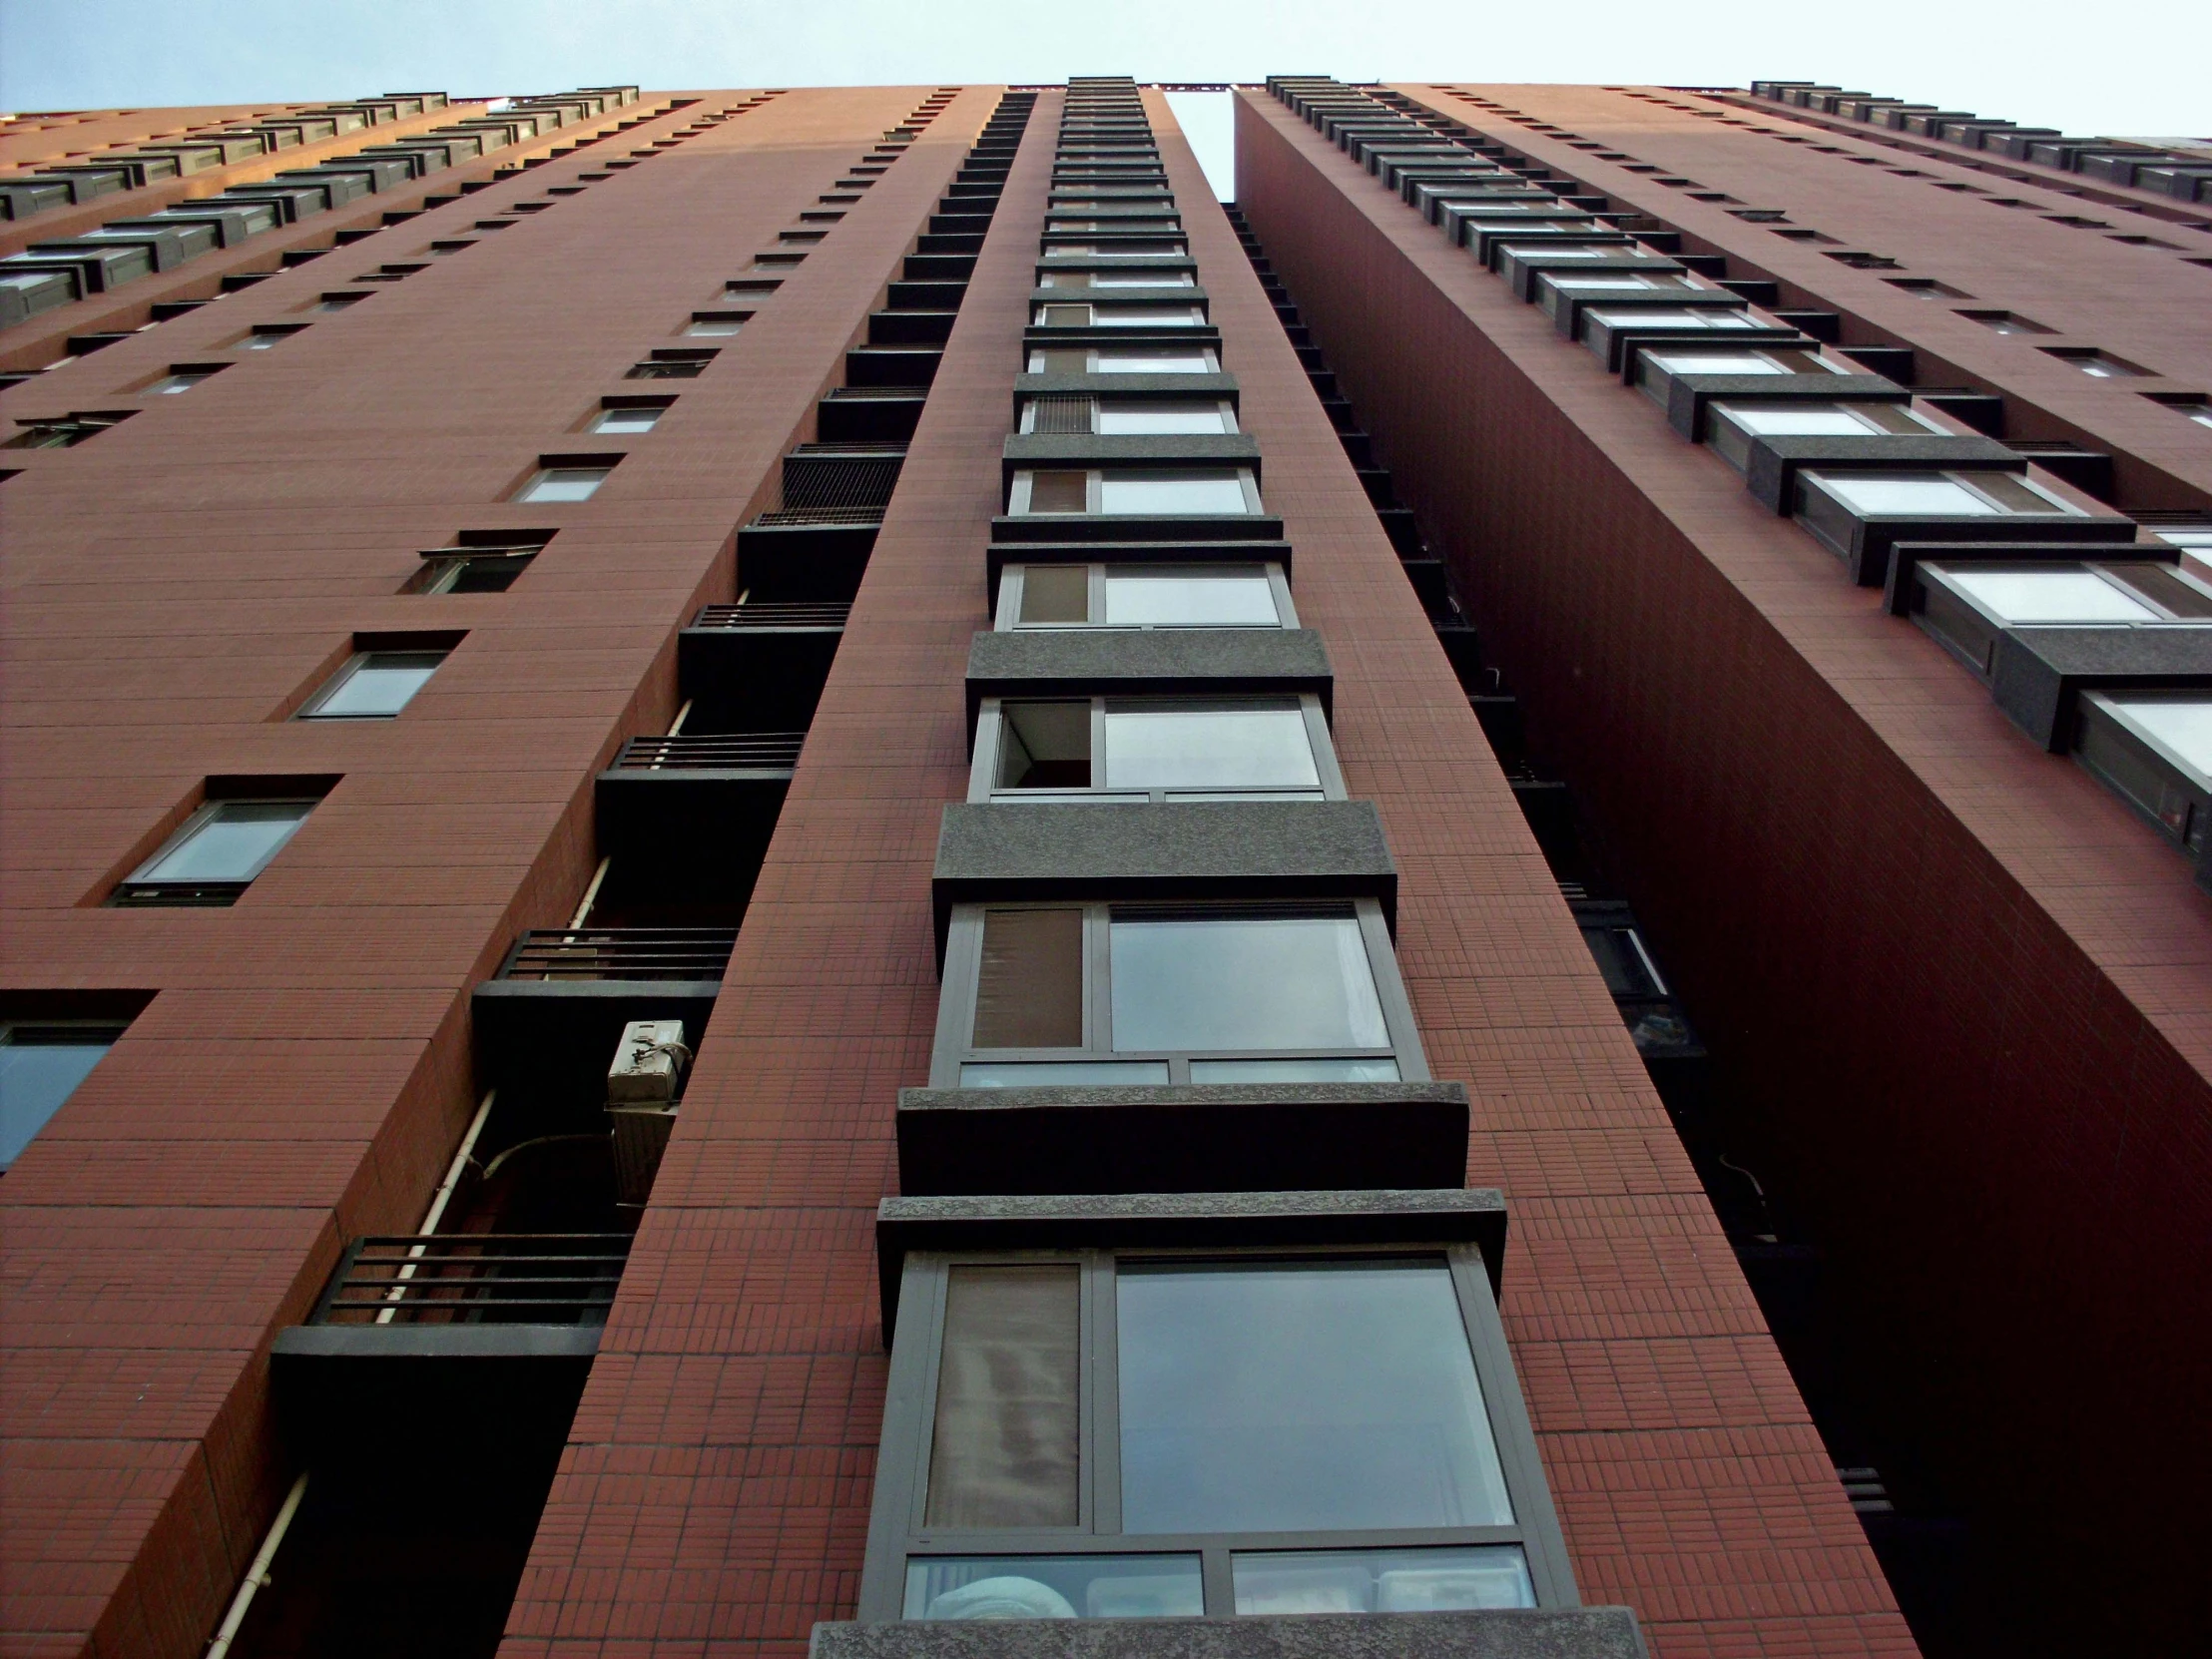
[480, 561]
[672, 364]
[66, 431]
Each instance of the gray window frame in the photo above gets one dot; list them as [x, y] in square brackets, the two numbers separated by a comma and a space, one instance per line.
[313, 707]
[1092, 350]
[1226, 406]
[896, 1529]
[141, 887]
[990, 732]
[963, 960]
[1012, 577]
[1018, 495]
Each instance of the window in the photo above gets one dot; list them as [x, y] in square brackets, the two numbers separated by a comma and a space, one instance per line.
[336, 301]
[1129, 416]
[1732, 427]
[1126, 993]
[2190, 406]
[1153, 749]
[1124, 360]
[2005, 323]
[2154, 749]
[1276, 1432]
[41, 1064]
[562, 483]
[181, 377]
[1966, 606]
[1922, 287]
[1145, 596]
[373, 684]
[2099, 365]
[1137, 279]
[1119, 316]
[714, 323]
[1660, 318]
[1930, 494]
[629, 415]
[1115, 249]
[493, 570]
[1133, 225]
[270, 338]
[216, 852]
[1196, 492]
[672, 364]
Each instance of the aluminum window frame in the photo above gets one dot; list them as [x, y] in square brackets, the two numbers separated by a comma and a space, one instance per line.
[1018, 493]
[2131, 760]
[953, 1046]
[1100, 401]
[142, 887]
[1013, 577]
[1157, 315]
[990, 732]
[1092, 350]
[343, 675]
[898, 1529]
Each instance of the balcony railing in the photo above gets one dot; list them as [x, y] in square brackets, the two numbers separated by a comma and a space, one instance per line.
[476, 1279]
[620, 954]
[829, 614]
[738, 752]
[873, 514]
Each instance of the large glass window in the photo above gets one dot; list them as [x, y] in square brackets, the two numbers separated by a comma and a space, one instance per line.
[1145, 596]
[2156, 749]
[1732, 427]
[1203, 493]
[1119, 316]
[1120, 1433]
[1124, 360]
[1128, 416]
[1131, 749]
[40, 1068]
[373, 684]
[1228, 993]
[217, 853]
[1930, 494]
[563, 483]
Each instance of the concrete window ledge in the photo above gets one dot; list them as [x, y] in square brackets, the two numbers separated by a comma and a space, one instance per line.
[1537, 1633]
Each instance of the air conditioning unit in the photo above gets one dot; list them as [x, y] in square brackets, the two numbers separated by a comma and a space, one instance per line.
[642, 1086]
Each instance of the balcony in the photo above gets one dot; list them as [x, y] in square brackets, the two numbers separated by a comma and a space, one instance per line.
[759, 667]
[546, 1024]
[493, 1329]
[695, 802]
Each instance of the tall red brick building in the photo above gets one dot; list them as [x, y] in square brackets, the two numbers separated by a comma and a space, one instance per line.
[809, 867]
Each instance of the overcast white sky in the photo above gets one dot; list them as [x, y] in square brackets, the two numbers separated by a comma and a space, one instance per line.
[2134, 69]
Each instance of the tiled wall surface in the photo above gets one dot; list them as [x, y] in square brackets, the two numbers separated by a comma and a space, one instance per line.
[303, 1072]
[1965, 988]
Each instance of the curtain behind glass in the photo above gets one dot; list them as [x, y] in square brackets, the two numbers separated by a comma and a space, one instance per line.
[1004, 1452]
[1029, 993]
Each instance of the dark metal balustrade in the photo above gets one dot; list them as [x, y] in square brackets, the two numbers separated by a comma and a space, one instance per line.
[621, 953]
[792, 613]
[475, 1279]
[734, 752]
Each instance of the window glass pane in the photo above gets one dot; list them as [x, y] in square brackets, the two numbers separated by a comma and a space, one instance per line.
[1305, 1395]
[2182, 725]
[1154, 362]
[1656, 318]
[1054, 1587]
[1003, 1450]
[563, 483]
[1191, 493]
[1802, 420]
[39, 1070]
[2049, 596]
[1931, 493]
[1243, 982]
[1029, 993]
[1381, 1580]
[1059, 492]
[1197, 596]
[1140, 279]
[231, 845]
[1056, 593]
[626, 420]
[1145, 316]
[1294, 1071]
[1037, 1074]
[1126, 417]
[378, 686]
[1713, 362]
[1159, 746]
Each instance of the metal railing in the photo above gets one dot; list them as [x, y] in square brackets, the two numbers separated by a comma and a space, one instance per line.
[475, 1279]
[620, 954]
[823, 515]
[764, 751]
[791, 614]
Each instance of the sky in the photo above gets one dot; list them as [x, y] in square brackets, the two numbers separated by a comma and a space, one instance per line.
[2044, 63]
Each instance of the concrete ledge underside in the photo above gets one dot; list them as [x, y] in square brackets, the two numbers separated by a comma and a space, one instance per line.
[1532, 1633]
